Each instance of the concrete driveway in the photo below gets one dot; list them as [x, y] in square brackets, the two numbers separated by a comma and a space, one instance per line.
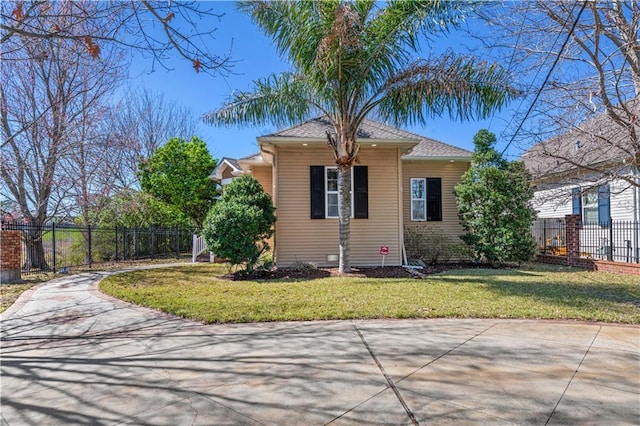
[71, 355]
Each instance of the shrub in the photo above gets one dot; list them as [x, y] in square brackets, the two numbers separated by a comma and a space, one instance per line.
[430, 244]
[238, 226]
[493, 201]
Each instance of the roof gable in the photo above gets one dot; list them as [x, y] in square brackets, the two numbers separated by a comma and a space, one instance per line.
[224, 163]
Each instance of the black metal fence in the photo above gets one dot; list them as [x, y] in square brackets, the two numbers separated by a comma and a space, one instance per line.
[551, 236]
[617, 240]
[55, 247]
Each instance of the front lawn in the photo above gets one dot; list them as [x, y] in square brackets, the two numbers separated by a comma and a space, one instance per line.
[537, 291]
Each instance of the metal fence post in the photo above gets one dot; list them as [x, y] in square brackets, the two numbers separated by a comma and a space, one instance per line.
[136, 243]
[116, 244]
[90, 244]
[153, 241]
[124, 243]
[53, 242]
[610, 253]
[177, 242]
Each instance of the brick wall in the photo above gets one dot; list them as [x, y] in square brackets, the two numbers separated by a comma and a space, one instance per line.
[592, 264]
[573, 238]
[10, 245]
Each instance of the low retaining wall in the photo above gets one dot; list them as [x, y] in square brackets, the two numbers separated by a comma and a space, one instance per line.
[591, 264]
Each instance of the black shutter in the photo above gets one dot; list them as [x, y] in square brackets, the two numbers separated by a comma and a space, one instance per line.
[317, 192]
[360, 192]
[576, 201]
[434, 199]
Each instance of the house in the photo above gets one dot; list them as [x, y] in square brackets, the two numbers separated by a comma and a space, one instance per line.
[401, 180]
[592, 171]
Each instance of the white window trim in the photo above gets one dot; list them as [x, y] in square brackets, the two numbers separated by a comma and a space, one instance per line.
[424, 192]
[591, 207]
[327, 192]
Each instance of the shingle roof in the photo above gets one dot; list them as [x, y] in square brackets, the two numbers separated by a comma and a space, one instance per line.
[597, 141]
[232, 161]
[433, 148]
[317, 129]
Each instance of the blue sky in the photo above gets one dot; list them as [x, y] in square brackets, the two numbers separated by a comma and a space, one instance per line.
[255, 57]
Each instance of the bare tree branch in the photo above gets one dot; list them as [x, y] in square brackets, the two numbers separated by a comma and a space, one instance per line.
[128, 24]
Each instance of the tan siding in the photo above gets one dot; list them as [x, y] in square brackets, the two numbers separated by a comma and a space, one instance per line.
[450, 174]
[263, 174]
[299, 238]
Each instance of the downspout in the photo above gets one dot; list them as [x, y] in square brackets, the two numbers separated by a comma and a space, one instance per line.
[274, 191]
[403, 252]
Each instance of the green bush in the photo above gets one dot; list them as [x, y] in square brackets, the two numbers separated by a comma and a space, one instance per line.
[238, 226]
[493, 201]
[430, 244]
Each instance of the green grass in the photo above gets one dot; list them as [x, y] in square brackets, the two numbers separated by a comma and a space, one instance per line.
[536, 291]
[9, 293]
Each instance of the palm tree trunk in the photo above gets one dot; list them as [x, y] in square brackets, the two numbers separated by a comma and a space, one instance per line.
[344, 215]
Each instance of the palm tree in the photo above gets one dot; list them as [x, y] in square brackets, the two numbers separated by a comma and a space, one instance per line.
[354, 59]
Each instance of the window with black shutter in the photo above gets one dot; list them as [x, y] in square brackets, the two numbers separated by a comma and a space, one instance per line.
[426, 199]
[324, 197]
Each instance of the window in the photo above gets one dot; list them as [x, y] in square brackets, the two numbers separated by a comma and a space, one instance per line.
[418, 199]
[593, 204]
[332, 201]
[426, 199]
[324, 197]
[590, 206]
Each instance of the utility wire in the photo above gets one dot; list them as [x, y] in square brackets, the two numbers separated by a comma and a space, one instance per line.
[555, 62]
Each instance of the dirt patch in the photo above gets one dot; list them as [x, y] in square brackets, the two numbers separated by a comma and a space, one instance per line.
[310, 273]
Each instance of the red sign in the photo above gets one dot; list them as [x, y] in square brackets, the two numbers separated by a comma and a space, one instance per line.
[384, 250]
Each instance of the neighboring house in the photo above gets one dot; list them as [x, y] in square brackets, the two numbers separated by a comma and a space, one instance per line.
[401, 180]
[591, 171]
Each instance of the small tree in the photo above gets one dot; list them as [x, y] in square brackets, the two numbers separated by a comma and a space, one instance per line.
[238, 226]
[493, 203]
[134, 209]
[178, 174]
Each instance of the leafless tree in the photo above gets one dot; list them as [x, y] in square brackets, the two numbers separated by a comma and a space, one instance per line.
[140, 123]
[157, 29]
[585, 116]
[51, 95]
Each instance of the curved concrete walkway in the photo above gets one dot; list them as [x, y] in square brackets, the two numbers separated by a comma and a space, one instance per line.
[71, 355]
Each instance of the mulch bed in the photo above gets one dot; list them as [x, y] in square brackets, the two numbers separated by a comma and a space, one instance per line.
[316, 273]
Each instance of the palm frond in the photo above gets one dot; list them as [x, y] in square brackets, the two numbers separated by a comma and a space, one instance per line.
[278, 99]
[394, 33]
[462, 87]
[296, 28]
